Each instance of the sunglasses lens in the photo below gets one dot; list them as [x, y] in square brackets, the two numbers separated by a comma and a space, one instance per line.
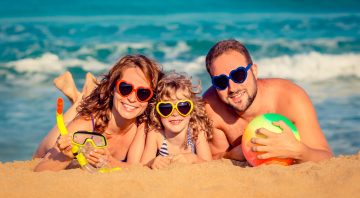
[165, 109]
[238, 75]
[220, 82]
[184, 107]
[125, 89]
[143, 94]
[97, 138]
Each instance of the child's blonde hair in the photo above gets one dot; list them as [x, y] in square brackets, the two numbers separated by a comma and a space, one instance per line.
[168, 85]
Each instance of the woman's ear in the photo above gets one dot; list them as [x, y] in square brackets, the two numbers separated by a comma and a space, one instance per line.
[254, 70]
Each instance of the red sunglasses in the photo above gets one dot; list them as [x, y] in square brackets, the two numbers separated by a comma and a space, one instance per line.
[124, 88]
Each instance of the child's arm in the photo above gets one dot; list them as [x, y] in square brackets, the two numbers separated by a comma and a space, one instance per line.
[203, 152]
[149, 155]
[150, 148]
[137, 146]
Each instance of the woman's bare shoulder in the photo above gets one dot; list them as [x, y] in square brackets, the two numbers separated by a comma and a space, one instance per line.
[80, 124]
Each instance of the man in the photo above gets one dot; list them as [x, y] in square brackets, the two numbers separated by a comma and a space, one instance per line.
[237, 96]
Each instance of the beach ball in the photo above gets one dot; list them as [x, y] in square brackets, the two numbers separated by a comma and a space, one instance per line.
[265, 121]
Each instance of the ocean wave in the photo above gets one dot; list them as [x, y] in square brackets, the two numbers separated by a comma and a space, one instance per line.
[51, 63]
[308, 67]
[313, 66]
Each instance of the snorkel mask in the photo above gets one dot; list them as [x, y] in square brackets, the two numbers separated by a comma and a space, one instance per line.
[83, 142]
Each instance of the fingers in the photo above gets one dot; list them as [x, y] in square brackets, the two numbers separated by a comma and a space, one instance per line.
[261, 141]
[282, 125]
[97, 157]
[161, 162]
[64, 143]
[179, 158]
[264, 132]
[265, 156]
[259, 149]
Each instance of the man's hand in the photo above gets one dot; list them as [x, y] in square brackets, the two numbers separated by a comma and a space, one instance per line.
[281, 145]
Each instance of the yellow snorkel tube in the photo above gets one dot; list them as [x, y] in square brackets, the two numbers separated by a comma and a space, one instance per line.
[61, 124]
[76, 147]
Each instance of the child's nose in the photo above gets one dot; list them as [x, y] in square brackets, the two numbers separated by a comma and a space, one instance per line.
[175, 113]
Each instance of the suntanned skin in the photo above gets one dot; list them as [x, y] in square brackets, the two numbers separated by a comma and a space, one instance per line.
[272, 96]
[120, 131]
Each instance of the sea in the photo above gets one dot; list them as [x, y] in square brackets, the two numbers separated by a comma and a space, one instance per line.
[316, 44]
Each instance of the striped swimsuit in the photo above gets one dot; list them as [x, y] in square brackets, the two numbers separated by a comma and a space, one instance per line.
[164, 147]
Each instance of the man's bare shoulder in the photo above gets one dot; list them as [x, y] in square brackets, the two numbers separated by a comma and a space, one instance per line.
[212, 101]
[281, 86]
[284, 92]
[219, 112]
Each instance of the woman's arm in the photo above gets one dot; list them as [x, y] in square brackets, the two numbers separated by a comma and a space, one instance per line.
[60, 156]
[49, 141]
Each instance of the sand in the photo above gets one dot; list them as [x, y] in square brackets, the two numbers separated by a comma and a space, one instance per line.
[337, 177]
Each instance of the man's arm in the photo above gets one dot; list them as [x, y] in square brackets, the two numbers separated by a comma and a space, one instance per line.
[220, 147]
[314, 146]
[295, 105]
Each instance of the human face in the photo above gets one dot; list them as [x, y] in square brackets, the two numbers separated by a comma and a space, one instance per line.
[166, 108]
[143, 94]
[175, 123]
[129, 107]
[239, 96]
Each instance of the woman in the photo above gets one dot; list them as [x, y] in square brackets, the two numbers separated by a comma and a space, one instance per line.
[115, 108]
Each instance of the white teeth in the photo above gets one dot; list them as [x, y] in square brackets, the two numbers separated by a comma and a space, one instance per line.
[238, 95]
[128, 107]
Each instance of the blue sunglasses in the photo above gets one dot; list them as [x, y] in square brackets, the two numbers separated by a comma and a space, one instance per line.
[237, 75]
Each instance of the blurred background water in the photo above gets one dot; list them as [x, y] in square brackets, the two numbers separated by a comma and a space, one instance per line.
[315, 44]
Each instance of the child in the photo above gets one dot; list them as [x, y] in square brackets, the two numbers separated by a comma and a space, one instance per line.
[179, 127]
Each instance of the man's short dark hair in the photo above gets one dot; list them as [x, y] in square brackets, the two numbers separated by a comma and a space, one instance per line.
[225, 46]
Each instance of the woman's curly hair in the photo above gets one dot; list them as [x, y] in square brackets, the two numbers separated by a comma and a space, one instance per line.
[100, 102]
[168, 85]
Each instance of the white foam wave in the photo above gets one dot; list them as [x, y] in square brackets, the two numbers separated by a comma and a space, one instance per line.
[173, 52]
[310, 67]
[194, 67]
[121, 48]
[51, 63]
[299, 45]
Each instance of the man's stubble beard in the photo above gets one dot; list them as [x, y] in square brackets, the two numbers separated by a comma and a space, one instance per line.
[250, 99]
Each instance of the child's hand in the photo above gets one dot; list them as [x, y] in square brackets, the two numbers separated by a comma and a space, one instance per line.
[64, 145]
[160, 162]
[183, 158]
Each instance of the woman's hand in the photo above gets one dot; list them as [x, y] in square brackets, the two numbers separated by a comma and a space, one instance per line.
[100, 157]
[64, 144]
